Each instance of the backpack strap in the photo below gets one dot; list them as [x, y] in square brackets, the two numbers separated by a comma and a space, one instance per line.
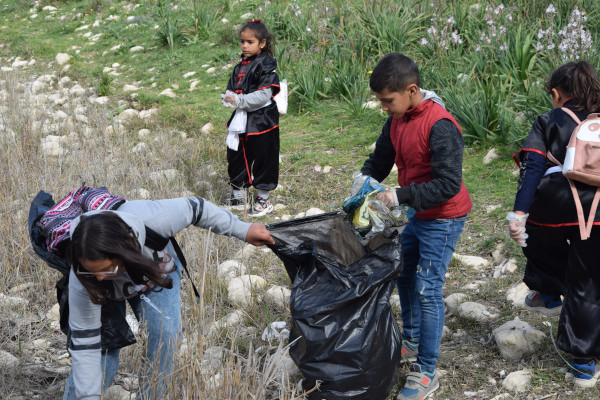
[571, 114]
[156, 241]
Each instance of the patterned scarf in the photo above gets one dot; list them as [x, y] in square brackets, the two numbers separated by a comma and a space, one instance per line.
[56, 222]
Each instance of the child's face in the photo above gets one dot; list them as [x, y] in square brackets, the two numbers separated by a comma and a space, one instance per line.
[395, 104]
[249, 43]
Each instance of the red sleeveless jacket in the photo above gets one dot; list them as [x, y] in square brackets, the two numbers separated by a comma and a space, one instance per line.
[410, 138]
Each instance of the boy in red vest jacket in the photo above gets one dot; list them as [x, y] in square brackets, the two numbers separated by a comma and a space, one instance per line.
[426, 144]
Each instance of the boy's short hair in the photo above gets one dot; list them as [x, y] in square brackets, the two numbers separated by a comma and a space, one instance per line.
[394, 72]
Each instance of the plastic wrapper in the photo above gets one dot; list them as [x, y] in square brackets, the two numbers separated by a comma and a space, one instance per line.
[369, 216]
[344, 335]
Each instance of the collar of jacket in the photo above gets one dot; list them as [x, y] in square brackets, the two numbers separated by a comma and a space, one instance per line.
[418, 110]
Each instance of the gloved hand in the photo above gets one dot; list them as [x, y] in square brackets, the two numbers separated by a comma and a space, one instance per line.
[388, 197]
[359, 181]
[516, 228]
[230, 99]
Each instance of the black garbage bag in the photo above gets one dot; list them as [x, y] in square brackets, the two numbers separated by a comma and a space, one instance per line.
[347, 336]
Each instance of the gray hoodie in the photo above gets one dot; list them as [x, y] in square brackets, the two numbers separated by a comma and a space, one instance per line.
[166, 217]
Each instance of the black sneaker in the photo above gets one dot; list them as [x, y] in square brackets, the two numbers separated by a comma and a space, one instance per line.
[234, 203]
[260, 207]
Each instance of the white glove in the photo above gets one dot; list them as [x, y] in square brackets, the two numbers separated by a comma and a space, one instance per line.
[358, 181]
[516, 228]
[230, 99]
[389, 197]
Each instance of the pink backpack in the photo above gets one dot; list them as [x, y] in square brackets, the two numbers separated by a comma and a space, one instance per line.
[582, 163]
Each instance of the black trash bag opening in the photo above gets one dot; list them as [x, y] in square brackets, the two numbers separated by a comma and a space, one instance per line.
[347, 336]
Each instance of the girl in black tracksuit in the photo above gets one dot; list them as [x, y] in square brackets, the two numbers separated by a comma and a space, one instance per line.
[545, 221]
[254, 158]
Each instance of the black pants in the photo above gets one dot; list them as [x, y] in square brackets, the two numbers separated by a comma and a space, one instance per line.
[256, 161]
[558, 261]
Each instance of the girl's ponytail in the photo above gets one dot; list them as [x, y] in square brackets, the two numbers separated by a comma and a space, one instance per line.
[578, 81]
[586, 87]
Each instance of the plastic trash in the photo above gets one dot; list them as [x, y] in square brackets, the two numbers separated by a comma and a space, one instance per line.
[345, 333]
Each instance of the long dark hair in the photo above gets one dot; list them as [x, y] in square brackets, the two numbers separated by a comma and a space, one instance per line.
[261, 32]
[106, 236]
[578, 81]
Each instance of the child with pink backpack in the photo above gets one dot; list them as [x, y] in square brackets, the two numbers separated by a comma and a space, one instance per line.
[555, 216]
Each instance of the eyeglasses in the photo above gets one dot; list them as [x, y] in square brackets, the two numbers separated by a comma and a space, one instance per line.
[80, 272]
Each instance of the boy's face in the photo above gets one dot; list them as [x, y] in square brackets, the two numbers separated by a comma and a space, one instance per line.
[395, 104]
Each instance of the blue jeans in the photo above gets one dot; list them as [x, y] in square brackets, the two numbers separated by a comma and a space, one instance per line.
[161, 320]
[427, 247]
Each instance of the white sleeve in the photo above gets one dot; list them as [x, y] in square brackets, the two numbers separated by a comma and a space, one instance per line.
[85, 343]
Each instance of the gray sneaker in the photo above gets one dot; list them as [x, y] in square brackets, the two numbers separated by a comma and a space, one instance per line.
[418, 385]
[409, 352]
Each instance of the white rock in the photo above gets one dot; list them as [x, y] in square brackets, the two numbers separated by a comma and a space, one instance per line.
[490, 156]
[64, 81]
[371, 104]
[77, 91]
[230, 269]
[472, 261]
[517, 294]
[139, 148]
[136, 49]
[210, 70]
[40, 344]
[22, 288]
[82, 28]
[314, 211]
[516, 338]
[62, 58]
[130, 88]
[231, 320]
[475, 311]
[507, 267]
[395, 301]
[81, 118]
[143, 133]
[242, 290]
[54, 313]
[49, 8]
[454, 300]
[102, 100]
[7, 360]
[12, 300]
[279, 207]
[37, 87]
[168, 92]
[207, 128]
[517, 381]
[278, 296]
[327, 169]
[148, 114]
[189, 74]
[96, 37]
[117, 47]
[142, 194]
[116, 392]
[284, 365]
[502, 396]
[299, 215]
[318, 168]
[193, 85]
[286, 217]
[128, 115]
